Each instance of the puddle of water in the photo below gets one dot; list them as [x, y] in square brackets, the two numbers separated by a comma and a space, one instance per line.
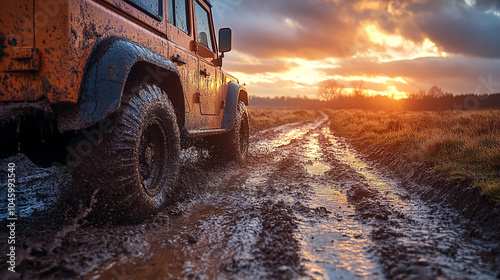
[266, 146]
[36, 187]
[336, 246]
[257, 179]
[312, 148]
[313, 153]
[317, 169]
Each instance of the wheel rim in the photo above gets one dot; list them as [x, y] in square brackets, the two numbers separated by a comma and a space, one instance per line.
[153, 157]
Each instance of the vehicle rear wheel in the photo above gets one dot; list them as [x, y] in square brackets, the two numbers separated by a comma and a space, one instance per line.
[136, 165]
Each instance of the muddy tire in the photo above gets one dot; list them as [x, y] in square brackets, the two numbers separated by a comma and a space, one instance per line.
[136, 165]
[234, 144]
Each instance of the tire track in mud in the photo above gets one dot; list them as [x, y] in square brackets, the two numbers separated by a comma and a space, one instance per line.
[333, 245]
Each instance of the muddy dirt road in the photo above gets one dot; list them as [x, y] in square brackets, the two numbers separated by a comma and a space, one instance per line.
[304, 205]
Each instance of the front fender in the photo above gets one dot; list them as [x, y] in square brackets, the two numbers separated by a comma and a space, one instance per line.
[104, 81]
[235, 93]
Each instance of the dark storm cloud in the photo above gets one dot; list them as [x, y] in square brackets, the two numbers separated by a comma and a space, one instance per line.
[488, 4]
[462, 29]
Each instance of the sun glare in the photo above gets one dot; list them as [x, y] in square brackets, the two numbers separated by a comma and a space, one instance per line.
[394, 93]
[383, 39]
[395, 47]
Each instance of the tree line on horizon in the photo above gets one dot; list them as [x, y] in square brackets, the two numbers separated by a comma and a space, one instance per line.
[333, 95]
[378, 102]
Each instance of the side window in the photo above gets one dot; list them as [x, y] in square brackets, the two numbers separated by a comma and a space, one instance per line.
[151, 7]
[203, 27]
[178, 14]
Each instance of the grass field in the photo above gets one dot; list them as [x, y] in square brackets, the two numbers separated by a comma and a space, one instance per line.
[458, 144]
[265, 118]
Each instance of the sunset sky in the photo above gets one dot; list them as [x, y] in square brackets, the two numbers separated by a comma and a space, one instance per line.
[285, 47]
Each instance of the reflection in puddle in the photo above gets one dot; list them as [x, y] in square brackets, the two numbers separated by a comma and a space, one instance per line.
[312, 148]
[336, 246]
[266, 146]
[313, 153]
[346, 156]
[257, 179]
[317, 169]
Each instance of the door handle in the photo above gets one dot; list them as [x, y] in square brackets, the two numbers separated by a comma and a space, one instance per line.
[178, 59]
[205, 73]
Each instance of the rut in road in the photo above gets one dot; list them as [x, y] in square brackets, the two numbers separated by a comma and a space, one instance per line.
[306, 205]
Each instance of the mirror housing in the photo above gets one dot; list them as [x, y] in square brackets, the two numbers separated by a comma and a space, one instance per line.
[225, 40]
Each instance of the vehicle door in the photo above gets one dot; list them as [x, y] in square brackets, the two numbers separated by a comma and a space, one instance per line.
[210, 75]
[180, 32]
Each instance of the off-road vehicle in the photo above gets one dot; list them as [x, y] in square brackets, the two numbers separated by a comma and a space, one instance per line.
[113, 88]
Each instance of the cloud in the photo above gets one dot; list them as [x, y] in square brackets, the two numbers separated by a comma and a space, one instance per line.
[456, 74]
[259, 66]
[319, 29]
[462, 29]
[280, 87]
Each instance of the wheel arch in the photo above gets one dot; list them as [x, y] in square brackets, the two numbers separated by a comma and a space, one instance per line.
[112, 66]
[165, 79]
[235, 94]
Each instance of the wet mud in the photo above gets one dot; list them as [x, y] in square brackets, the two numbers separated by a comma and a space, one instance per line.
[306, 204]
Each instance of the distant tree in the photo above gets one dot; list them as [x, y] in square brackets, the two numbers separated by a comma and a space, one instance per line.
[330, 89]
[358, 88]
[418, 95]
[435, 92]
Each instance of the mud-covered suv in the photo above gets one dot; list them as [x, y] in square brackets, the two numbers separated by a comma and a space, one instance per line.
[113, 88]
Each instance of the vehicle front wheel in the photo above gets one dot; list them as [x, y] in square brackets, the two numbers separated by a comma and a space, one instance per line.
[136, 165]
[234, 145]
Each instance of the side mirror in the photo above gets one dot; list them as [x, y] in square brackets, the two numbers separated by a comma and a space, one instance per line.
[225, 40]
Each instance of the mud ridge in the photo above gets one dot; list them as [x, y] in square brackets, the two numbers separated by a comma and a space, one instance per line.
[277, 244]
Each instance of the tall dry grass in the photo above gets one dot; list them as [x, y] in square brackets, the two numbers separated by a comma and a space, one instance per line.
[266, 118]
[458, 144]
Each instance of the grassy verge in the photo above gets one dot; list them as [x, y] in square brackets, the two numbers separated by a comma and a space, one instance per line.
[265, 118]
[457, 144]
